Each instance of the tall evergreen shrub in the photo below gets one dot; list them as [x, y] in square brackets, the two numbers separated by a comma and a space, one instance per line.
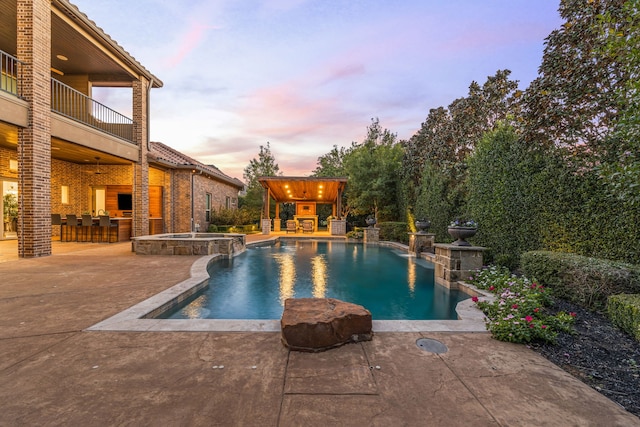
[437, 201]
[508, 194]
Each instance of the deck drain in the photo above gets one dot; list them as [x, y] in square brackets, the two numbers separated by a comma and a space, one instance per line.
[431, 345]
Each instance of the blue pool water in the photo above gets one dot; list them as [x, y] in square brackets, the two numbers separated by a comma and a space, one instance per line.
[255, 284]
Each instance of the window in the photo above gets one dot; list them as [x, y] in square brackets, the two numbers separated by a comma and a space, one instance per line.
[228, 202]
[13, 165]
[207, 208]
[64, 192]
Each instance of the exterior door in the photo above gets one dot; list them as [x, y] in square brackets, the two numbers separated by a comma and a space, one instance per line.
[9, 210]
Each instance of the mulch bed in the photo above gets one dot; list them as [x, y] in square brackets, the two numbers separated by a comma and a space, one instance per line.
[598, 354]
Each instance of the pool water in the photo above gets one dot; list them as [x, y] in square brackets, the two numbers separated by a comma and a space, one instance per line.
[255, 284]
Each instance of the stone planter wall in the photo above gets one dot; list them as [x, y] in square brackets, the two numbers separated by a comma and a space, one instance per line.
[455, 263]
[421, 242]
[338, 227]
[371, 235]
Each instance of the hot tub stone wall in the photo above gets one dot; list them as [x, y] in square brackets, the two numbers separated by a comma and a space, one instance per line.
[189, 244]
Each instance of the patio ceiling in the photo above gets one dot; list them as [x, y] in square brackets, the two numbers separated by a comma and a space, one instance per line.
[88, 50]
[285, 189]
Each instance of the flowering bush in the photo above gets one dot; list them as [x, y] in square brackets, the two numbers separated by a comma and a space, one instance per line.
[468, 223]
[518, 314]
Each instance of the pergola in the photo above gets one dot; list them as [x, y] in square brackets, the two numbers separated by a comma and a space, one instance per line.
[305, 192]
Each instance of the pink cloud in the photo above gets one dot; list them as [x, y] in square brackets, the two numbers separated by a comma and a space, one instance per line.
[189, 41]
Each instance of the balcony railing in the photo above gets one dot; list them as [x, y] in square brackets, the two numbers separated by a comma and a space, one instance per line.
[10, 74]
[75, 105]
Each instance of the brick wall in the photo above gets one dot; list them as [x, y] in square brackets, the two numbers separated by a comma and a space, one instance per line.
[141, 168]
[34, 146]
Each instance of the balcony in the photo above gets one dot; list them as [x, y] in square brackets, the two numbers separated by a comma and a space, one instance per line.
[68, 102]
[77, 106]
[10, 74]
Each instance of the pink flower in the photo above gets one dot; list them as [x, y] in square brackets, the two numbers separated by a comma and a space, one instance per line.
[544, 326]
[491, 288]
[514, 306]
[474, 299]
[535, 310]
[572, 314]
[528, 318]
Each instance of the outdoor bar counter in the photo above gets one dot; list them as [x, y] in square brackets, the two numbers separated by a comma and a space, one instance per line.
[124, 228]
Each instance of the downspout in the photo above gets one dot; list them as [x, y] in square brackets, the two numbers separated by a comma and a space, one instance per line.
[149, 114]
[193, 172]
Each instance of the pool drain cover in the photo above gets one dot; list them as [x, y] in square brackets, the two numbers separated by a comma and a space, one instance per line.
[431, 345]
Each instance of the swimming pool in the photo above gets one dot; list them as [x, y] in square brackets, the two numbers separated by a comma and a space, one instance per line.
[389, 283]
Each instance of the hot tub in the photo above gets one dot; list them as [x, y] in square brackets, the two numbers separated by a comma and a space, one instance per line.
[226, 244]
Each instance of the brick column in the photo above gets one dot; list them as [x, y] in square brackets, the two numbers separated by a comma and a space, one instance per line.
[34, 141]
[141, 168]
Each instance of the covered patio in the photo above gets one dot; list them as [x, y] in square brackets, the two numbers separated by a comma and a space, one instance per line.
[306, 193]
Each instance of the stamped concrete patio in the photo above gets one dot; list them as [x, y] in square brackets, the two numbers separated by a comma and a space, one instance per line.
[53, 372]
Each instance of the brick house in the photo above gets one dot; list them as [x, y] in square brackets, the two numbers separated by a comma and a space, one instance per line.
[194, 189]
[63, 152]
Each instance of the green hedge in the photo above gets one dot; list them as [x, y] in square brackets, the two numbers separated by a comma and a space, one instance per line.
[394, 231]
[247, 228]
[583, 280]
[624, 312]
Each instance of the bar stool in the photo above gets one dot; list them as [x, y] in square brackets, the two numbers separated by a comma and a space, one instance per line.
[106, 226]
[70, 224]
[85, 228]
[56, 219]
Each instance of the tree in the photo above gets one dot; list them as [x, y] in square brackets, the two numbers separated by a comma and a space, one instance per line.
[332, 163]
[573, 103]
[449, 135]
[623, 44]
[264, 165]
[373, 169]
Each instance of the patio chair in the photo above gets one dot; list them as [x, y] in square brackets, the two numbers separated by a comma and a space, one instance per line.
[106, 227]
[56, 219]
[292, 226]
[85, 228]
[307, 226]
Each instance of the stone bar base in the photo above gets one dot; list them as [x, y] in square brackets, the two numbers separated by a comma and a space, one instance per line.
[455, 263]
[338, 227]
[371, 235]
[266, 226]
[421, 242]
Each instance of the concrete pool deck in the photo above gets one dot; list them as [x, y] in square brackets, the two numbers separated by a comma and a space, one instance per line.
[54, 372]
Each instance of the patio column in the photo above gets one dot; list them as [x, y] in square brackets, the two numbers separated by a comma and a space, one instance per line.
[34, 140]
[276, 220]
[141, 167]
[266, 220]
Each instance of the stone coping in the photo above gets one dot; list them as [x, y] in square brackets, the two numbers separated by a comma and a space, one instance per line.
[456, 247]
[189, 236]
[134, 319]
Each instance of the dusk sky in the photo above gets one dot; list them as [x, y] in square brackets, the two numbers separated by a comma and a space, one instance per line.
[307, 75]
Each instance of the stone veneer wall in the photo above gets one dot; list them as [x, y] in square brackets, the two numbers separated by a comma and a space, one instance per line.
[453, 263]
[228, 245]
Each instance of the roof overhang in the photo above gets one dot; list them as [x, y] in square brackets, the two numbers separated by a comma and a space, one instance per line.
[285, 189]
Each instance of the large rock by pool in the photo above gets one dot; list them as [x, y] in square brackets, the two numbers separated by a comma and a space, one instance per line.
[318, 324]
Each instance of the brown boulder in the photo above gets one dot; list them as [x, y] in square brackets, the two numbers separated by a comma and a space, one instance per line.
[318, 324]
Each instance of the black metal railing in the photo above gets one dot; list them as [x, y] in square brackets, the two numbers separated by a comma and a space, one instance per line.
[75, 105]
[10, 74]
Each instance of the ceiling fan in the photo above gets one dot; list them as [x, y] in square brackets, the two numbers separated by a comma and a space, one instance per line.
[97, 171]
[304, 196]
